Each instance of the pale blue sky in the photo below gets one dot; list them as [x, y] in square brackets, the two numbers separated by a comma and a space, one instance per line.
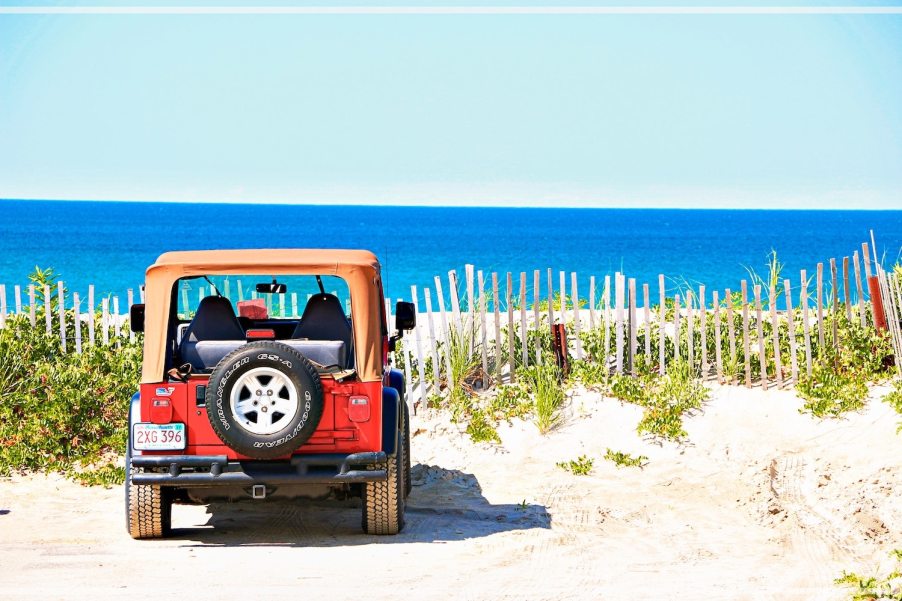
[630, 110]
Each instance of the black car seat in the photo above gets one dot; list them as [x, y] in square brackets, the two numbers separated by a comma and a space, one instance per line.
[324, 320]
[212, 334]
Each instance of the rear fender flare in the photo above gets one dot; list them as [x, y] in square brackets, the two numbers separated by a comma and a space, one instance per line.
[390, 419]
[396, 381]
[134, 416]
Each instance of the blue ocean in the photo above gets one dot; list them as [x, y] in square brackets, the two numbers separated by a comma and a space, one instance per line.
[110, 244]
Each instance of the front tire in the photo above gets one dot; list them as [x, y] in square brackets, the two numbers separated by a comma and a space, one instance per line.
[148, 508]
[383, 501]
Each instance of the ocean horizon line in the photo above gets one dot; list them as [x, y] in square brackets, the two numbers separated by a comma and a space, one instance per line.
[827, 209]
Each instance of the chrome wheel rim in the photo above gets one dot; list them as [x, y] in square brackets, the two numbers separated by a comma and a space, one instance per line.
[264, 401]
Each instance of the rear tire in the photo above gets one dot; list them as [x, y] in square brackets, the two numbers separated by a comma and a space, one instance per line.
[148, 508]
[383, 501]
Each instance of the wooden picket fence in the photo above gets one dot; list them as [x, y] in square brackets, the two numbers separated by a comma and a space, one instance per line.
[501, 322]
[49, 307]
[497, 316]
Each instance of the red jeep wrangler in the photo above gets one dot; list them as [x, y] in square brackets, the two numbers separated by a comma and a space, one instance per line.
[240, 398]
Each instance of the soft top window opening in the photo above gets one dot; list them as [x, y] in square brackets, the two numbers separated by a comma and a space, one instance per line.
[190, 291]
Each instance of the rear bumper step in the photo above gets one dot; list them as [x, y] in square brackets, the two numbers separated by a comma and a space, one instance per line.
[213, 470]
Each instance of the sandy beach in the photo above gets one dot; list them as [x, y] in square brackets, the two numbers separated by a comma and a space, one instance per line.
[763, 503]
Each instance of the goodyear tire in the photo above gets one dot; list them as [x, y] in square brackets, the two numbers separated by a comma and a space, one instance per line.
[264, 400]
[148, 508]
[383, 501]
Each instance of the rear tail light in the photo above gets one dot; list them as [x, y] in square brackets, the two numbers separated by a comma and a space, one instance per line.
[160, 411]
[359, 409]
[260, 334]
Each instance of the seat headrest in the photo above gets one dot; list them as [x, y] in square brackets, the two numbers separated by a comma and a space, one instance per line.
[324, 319]
[214, 320]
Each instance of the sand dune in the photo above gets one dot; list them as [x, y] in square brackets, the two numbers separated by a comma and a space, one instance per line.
[763, 503]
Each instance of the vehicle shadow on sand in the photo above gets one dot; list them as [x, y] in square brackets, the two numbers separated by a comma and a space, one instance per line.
[444, 505]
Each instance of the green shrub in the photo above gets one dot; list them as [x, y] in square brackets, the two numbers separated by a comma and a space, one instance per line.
[60, 411]
[543, 381]
[830, 392]
[894, 398]
[628, 389]
[621, 459]
[581, 466]
[868, 588]
[666, 399]
[481, 429]
[587, 373]
[510, 401]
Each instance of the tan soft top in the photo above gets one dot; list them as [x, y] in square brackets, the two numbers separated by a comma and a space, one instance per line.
[358, 268]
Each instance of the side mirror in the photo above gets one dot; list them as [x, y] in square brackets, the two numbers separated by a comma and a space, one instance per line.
[273, 288]
[136, 317]
[405, 316]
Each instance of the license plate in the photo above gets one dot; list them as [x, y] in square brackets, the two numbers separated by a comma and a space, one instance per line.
[158, 437]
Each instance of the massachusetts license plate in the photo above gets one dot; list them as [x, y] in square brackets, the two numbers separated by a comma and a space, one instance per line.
[158, 437]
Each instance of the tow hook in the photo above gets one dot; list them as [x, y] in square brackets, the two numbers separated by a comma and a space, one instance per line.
[258, 491]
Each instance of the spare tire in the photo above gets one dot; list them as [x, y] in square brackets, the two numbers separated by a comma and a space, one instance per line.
[264, 400]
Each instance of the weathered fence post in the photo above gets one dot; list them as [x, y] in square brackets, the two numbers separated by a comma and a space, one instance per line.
[847, 297]
[118, 322]
[17, 295]
[48, 309]
[718, 357]
[633, 325]
[537, 318]
[592, 302]
[790, 322]
[131, 301]
[690, 329]
[61, 306]
[731, 332]
[574, 294]
[662, 318]
[618, 321]
[421, 363]
[455, 300]
[821, 339]
[606, 301]
[446, 330]
[91, 315]
[77, 310]
[759, 330]
[805, 320]
[775, 333]
[499, 360]
[433, 347]
[859, 289]
[468, 272]
[647, 325]
[524, 347]
[703, 324]
[563, 298]
[835, 303]
[482, 329]
[745, 334]
[550, 303]
[31, 302]
[676, 327]
[2, 306]
[510, 328]
[105, 321]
